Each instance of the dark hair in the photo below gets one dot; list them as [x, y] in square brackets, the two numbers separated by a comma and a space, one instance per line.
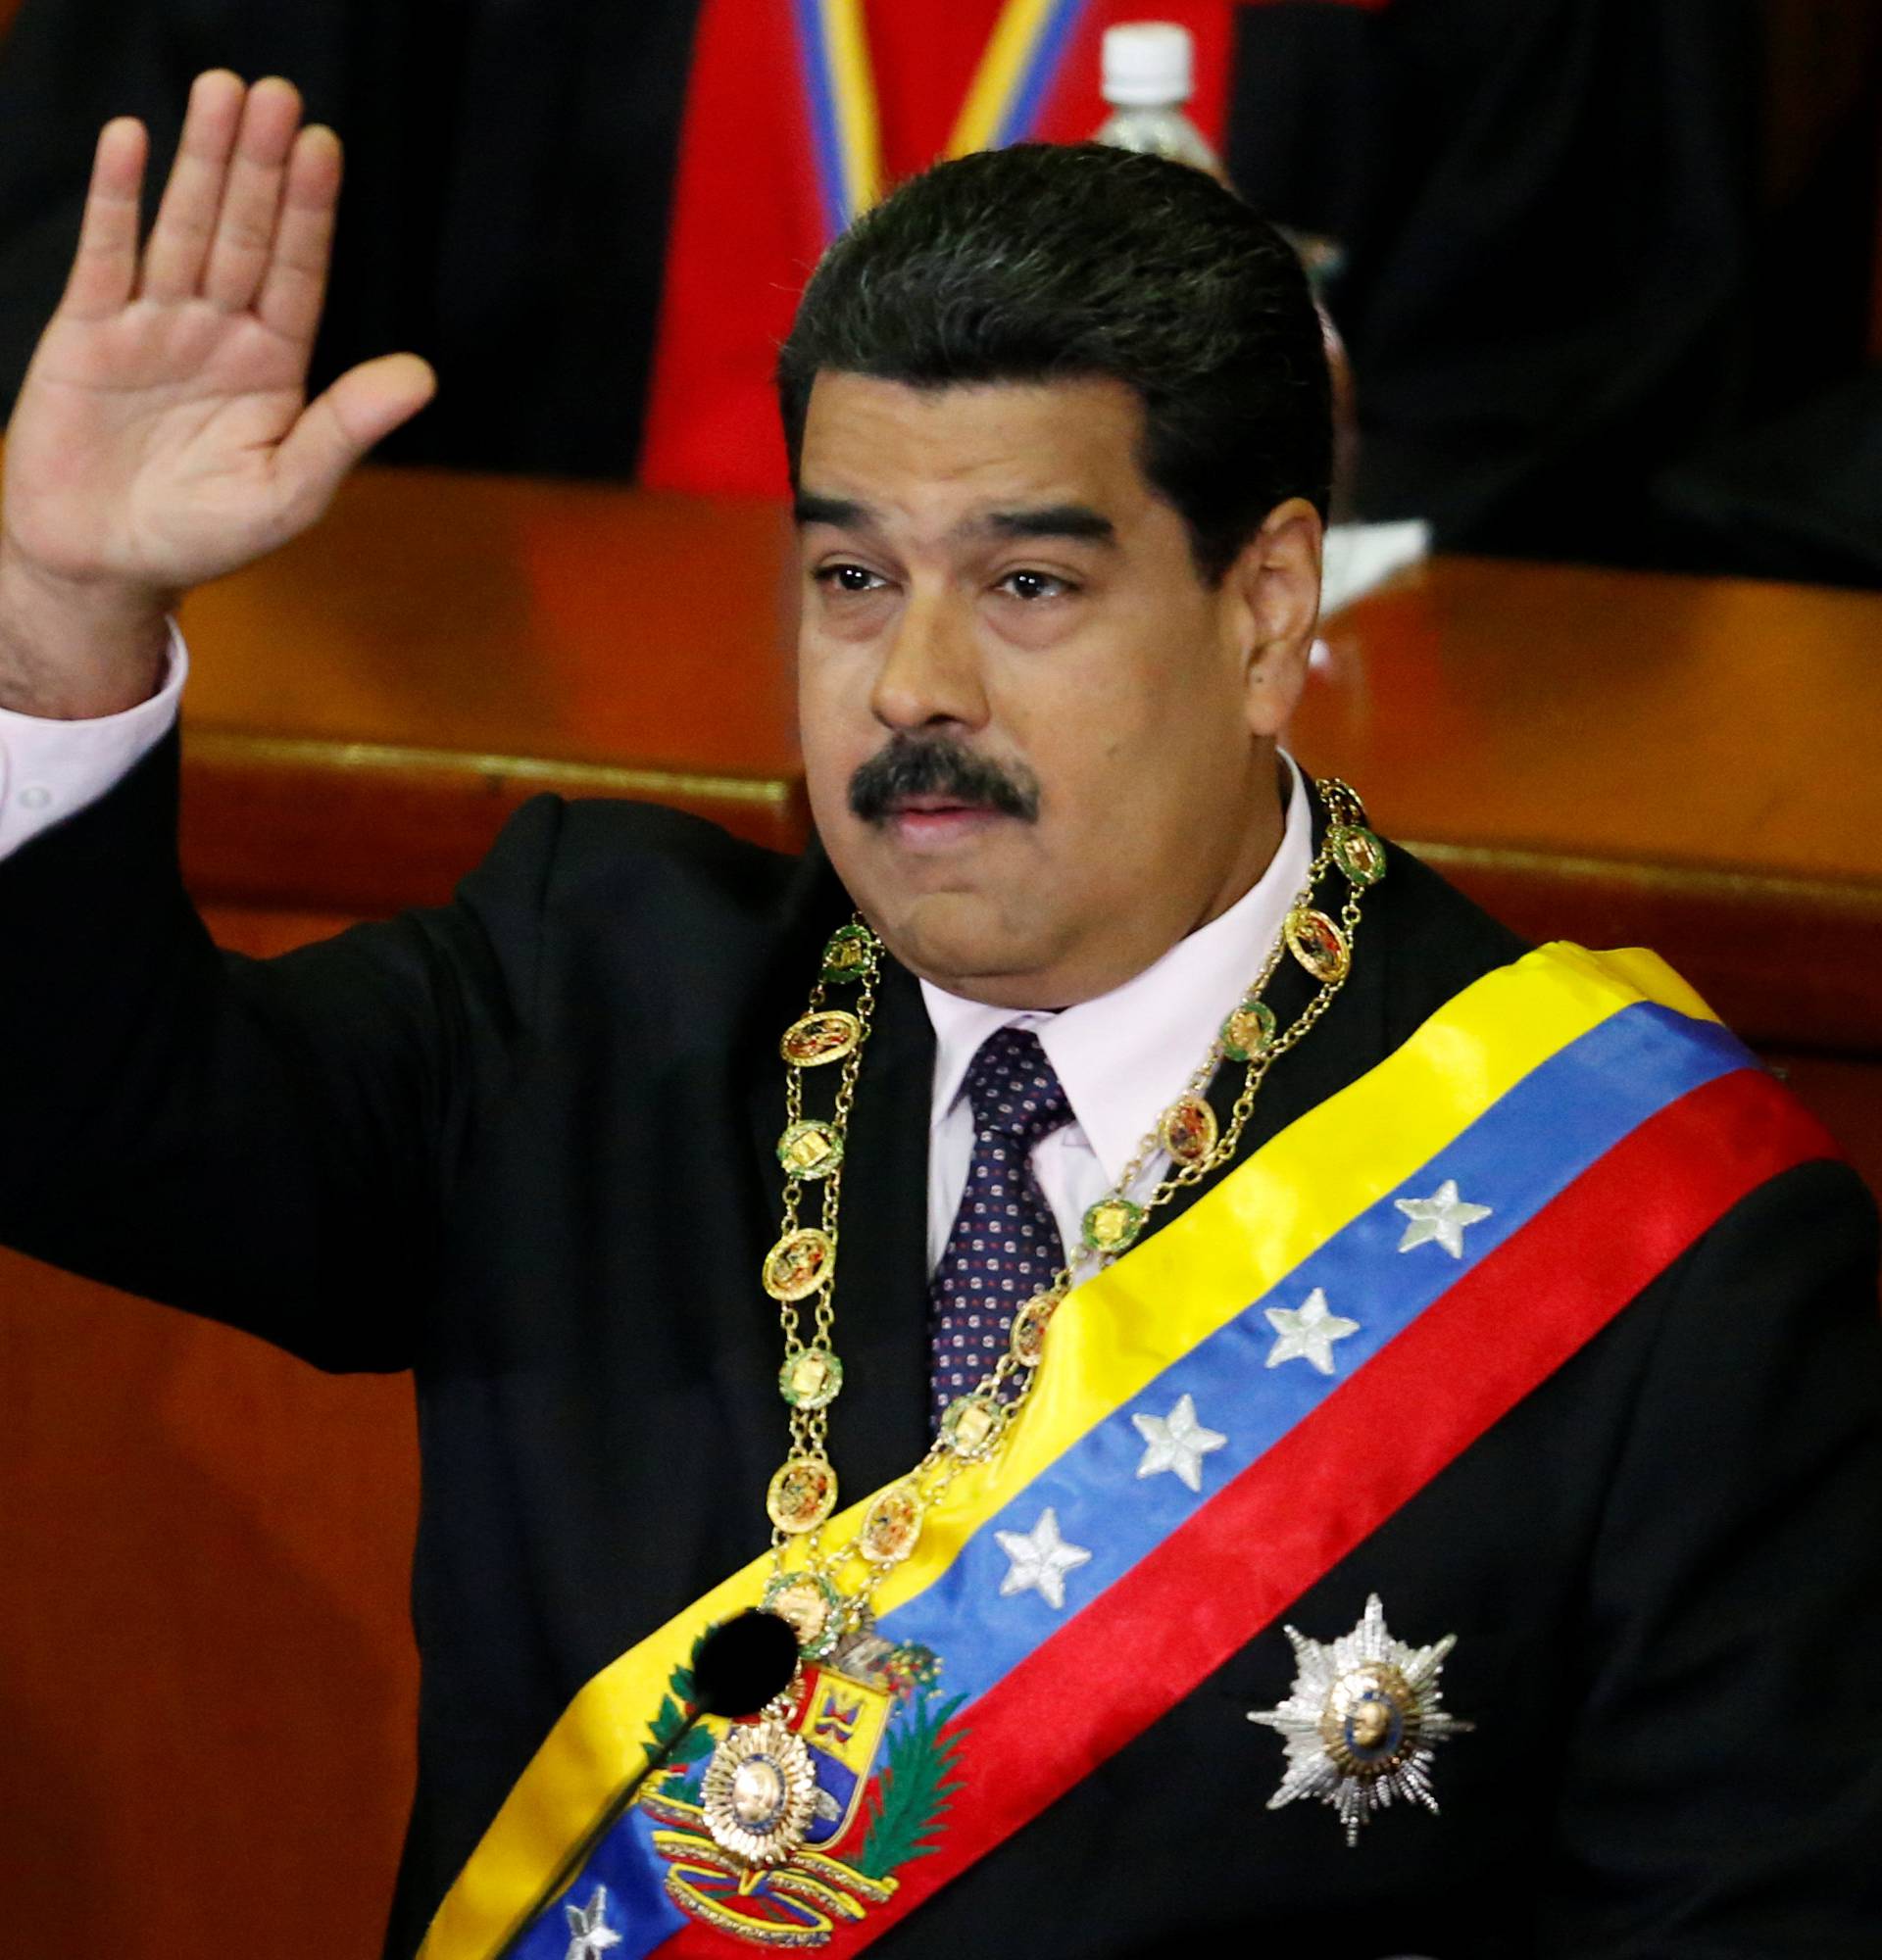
[1044, 261]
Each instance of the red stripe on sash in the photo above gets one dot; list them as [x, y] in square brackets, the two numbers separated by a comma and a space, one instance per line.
[1370, 1447]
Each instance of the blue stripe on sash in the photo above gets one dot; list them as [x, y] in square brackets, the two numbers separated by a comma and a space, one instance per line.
[1523, 1152]
[1022, 106]
[632, 1875]
[827, 136]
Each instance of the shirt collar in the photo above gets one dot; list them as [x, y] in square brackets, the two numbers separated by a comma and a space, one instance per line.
[1124, 1056]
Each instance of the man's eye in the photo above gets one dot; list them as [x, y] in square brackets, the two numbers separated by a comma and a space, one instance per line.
[1035, 585]
[848, 578]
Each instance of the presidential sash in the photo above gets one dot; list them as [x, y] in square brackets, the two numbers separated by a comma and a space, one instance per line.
[1347, 1311]
[1021, 60]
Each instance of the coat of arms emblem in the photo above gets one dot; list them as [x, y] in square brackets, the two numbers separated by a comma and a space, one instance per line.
[868, 1724]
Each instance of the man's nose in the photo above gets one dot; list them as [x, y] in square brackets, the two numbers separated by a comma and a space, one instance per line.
[930, 669]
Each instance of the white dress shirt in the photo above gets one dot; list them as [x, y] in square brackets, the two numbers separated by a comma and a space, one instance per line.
[1123, 1058]
[48, 769]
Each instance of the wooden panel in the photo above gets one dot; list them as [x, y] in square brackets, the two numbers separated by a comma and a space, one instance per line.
[366, 830]
[1781, 961]
[368, 706]
[206, 1682]
[1682, 763]
[1692, 723]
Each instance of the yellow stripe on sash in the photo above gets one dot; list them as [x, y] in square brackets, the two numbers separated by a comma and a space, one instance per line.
[999, 76]
[852, 80]
[1001, 71]
[1114, 1335]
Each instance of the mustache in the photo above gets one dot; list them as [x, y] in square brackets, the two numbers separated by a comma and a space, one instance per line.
[939, 765]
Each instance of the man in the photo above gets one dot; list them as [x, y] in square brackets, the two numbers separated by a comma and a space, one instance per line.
[1235, 1227]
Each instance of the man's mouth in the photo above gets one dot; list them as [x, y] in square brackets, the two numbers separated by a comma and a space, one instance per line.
[934, 821]
[929, 805]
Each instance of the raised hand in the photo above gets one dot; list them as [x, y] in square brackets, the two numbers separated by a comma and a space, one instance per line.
[163, 437]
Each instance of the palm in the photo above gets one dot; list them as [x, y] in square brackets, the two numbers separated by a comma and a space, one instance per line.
[162, 435]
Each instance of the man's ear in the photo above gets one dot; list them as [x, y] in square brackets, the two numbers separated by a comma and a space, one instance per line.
[1272, 593]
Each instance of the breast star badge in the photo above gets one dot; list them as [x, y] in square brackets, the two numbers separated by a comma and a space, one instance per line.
[1361, 1720]
[1308, 1331]
[1041, 1558]
[1178, 1443]
[1439, 1219]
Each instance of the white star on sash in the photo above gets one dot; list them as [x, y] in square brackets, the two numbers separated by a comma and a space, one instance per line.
[1041, 1558]
[590, 1935]
[1308, 1334]
[1176, 1442]
[1441, 1217]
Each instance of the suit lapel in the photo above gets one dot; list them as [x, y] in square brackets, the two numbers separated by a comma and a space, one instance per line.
[882, 1281]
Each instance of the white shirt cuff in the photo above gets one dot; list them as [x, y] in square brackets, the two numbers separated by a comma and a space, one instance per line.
[49, 769]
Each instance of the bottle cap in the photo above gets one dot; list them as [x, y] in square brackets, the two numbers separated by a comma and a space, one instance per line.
[1147, 64]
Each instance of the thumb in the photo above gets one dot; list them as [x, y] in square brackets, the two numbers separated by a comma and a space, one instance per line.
[337, 428]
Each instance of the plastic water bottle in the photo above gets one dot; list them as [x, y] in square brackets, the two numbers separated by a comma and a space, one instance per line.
[1149, 76]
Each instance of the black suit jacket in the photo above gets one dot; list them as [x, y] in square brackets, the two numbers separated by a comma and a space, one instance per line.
[522, 1146]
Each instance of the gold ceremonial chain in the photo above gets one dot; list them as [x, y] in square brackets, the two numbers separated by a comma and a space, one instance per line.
[821, 1598]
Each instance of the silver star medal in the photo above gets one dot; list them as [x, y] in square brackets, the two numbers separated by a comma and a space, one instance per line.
[1360, 1724]
[1177, 1443]
[589, 1933]
[1439, 1219]
[1041, 1558]
[1308, 1331]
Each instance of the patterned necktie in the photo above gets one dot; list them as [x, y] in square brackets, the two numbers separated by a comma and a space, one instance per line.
[1005, 1245]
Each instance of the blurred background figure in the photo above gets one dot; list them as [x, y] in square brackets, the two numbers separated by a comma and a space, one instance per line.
[1606, 268]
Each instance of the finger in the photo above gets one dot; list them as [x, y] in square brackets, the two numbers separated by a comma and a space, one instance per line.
[363, 407]
[104, 269]
[295, 284]
[179, 242]
[238, 254]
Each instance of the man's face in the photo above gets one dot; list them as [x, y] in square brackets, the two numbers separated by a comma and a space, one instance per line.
[1039, 747]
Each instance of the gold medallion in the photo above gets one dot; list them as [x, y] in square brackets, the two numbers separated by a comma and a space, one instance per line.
[1111, 1224]
[810, 1150]
[1319, 944]
[1357, 852]
[1342, 801]
[812, 1377]
[799, 1263]
[1029, 1326]
[1188, 1130]
[811, 1607]
[890, 1527]
[759, 1795]
[801, 1494]
[850, 953]
[972, 1425]
[1249, 1031]
[813, 1040]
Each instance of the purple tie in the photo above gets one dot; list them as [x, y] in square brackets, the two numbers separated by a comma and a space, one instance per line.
[1004, 1245]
